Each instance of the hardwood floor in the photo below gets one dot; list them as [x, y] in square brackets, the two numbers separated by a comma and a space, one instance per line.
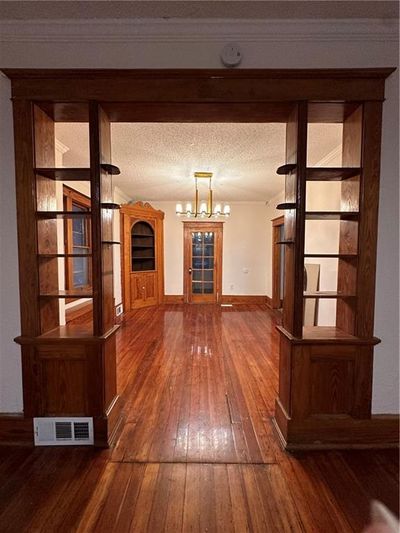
[197, 451]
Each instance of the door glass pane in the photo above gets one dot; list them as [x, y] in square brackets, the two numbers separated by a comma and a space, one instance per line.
[197, 262]
[208, 288]
[197, 288]
[208, 262]
[208, 237]
[208, 275]
[197, 250]
[196, 275]
[208, 250]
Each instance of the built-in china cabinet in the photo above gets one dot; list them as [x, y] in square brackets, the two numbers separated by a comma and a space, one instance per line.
[142, 260]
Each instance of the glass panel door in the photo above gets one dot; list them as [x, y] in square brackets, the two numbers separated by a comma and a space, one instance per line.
[203, 279]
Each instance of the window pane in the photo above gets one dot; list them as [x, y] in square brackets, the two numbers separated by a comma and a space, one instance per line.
[80, 271]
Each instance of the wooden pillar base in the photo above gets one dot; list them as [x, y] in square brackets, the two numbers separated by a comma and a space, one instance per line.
[325, 388]
[68, 375]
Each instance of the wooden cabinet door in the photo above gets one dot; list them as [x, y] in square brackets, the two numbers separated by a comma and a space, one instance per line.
[137, 291]
[150, 288]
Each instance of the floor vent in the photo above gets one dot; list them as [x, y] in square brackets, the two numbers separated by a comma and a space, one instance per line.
[63, 431]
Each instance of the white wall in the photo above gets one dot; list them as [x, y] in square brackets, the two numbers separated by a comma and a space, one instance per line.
[197, 44]
[246, 251]
[10, 353]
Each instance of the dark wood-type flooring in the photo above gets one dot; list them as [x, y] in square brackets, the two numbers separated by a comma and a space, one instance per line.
[197, 451]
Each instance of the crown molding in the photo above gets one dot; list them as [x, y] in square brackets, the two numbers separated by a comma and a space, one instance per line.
[201, 30]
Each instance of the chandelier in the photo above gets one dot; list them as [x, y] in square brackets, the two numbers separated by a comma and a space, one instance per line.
[204, 209]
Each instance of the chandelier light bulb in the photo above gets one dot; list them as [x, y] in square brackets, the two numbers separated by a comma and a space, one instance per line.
[227, 210]
[179, 209]
[217, 209]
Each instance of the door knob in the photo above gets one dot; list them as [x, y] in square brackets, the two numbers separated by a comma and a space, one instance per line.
[190, 270]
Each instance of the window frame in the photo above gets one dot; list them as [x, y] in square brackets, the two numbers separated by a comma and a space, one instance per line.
[71, 197]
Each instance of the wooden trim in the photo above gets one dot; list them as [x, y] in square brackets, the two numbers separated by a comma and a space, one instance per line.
[254, 73]
[379, 431]
[244, 299]
[15, 430]
[26, 214]
[78, 310]
[173, 299]
[225, 299]
[278, 221]
[214, 85]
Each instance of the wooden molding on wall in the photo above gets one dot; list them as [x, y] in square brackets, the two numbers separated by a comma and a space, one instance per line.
[379, 431]
[244, 299]
[78, 311]
[173, 299]
[226, 299]
[16, 430]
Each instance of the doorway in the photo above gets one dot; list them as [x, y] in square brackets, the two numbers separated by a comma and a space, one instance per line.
[202, 272]
[278, 262]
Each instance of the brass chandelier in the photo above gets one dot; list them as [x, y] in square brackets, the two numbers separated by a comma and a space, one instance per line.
[203, 209]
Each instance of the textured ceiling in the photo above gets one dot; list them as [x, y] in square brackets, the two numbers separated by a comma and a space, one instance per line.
[157, 161]
[237, 9]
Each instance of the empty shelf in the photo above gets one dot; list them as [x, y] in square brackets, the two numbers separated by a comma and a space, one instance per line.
[286, 169]
[72, 293]
[62, 214]
[331, 173]
[49, 256]
[110, 169]
[288, 205]
[65, 174]
[327, 294]
[331, 215]
[333, 256]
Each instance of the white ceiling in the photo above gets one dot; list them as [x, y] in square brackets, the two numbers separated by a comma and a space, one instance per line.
[198, 9]
[157, 160]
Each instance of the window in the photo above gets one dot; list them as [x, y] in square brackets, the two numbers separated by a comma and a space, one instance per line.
[77, 240]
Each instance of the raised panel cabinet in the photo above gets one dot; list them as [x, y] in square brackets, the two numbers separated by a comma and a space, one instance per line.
[143, 255]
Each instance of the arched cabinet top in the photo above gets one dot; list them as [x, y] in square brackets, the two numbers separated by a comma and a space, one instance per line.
[141, 210]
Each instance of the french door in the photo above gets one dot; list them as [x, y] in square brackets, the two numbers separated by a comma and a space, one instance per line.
[202, 262]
